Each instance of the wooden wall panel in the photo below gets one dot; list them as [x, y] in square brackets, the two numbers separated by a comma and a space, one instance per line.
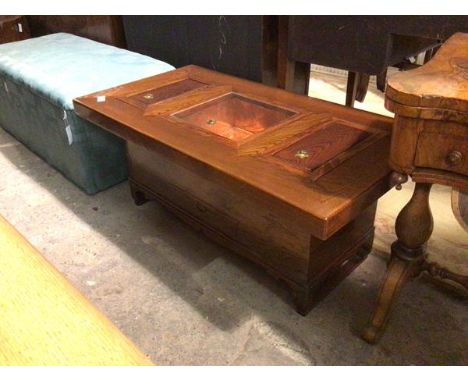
[105, 29]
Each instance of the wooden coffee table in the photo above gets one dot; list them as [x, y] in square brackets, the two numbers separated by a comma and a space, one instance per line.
[288, 181]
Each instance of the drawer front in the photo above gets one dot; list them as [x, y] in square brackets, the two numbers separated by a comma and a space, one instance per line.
[271, 234]
[443, 152]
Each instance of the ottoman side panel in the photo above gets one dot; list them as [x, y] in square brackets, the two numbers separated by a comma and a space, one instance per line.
[40, 77]
[102, 154]
[82, 152]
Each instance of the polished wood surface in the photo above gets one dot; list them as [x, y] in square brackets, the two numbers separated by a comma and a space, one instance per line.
[13, 28]
[430, 134]
[105, 29]
[45, 320]
[322, 146]
[429, 143]
[220, 156]
[329, 203]
[441, 85]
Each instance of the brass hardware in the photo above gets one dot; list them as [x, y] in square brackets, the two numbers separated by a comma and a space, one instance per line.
[302, 154]
[148, 96]
[454, 158]
[211, 121]
[397, 179]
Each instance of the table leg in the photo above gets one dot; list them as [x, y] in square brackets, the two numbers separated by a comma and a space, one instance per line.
[138, 196]
[356, 88]
[413, 227]
[382, 80]
[291, 75]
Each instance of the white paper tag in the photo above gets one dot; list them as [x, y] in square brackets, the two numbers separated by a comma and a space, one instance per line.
[65, 118]
[20, 27]
[6, 87]
[101, 98]
[69, 135]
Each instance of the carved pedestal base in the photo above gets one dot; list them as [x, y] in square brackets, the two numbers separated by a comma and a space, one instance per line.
[413, 228]
[439, 273]
[399, 271]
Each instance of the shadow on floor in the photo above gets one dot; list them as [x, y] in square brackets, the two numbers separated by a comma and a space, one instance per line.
[229, 291]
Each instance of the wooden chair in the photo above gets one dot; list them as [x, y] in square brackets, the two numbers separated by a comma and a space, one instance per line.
[361, 45]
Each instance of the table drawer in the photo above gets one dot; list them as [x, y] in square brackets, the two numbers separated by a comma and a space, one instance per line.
[443, 152]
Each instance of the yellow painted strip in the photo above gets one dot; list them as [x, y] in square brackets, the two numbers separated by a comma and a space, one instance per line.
[44, 320]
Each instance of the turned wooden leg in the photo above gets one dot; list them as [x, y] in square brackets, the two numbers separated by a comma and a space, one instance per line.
[302, 300]
[382, 81]
[439, 273]
[413, 228]
[398, 272]
[291, 75]
[351, 88]
[356, 88]
[138, 196]
[363, 86]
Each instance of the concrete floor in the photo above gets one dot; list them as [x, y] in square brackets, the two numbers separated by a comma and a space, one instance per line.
[186, 301]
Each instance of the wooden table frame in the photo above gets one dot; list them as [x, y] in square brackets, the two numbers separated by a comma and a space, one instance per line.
[239, 191]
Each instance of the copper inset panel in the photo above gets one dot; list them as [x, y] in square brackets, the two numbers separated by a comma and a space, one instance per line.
[234, 116]
[322, 145]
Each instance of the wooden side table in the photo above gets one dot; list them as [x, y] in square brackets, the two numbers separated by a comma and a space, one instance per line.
[430, 144]
[13, 28]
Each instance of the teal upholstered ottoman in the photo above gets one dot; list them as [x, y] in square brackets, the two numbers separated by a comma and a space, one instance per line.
[40, 77]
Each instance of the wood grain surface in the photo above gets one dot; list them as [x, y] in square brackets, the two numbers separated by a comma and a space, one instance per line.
[44, 320]
[331, 201]
[102, 28]
[208, 154]
[13, 28]
[322, 145]
[430, 143]
[441, 84]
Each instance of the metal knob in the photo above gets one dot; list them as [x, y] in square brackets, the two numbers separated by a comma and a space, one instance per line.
[397, 179]
[454, 158]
